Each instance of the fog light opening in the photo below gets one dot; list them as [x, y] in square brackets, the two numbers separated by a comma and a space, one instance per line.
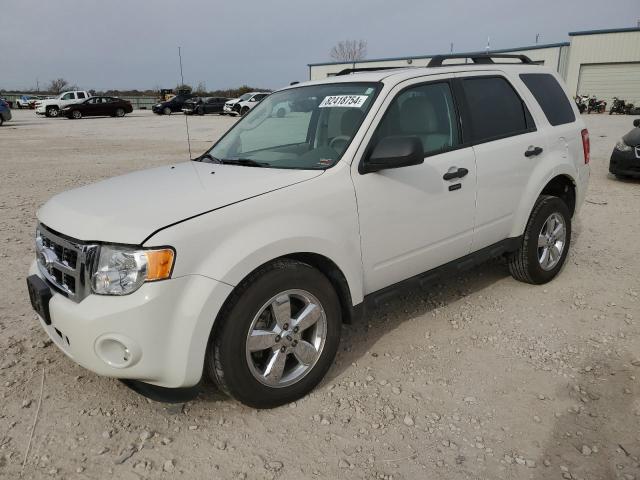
[117, 351]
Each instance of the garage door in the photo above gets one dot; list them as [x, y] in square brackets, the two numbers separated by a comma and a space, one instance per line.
[610, 80]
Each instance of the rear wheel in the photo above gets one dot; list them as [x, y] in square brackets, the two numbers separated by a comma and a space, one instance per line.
[545, 243]
[277, 336]
[77, 114]
[166, 111]
[120, 112]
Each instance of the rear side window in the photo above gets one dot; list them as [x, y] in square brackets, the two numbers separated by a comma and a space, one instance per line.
[552, 99]
[495, 109]
[81, 95]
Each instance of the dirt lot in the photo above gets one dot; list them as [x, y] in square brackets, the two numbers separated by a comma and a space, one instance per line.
[480, 377]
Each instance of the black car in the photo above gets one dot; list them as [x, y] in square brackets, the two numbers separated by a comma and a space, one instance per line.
[173, 105]
[625, 159]
[97, 107]
[204, 105]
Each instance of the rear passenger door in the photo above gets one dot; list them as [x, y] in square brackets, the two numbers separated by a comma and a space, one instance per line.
[507, 147]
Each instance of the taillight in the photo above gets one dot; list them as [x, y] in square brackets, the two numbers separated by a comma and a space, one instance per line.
[586, 146]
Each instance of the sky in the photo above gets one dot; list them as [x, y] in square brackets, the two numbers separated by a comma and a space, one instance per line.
[126, 44]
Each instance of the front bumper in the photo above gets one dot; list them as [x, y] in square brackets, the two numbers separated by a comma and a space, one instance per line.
[625, 163]
[158, 334]
[41, 110]
[228, 109]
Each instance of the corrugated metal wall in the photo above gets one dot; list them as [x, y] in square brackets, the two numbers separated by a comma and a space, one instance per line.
[602, 48]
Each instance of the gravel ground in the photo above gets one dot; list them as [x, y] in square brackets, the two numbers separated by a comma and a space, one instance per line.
[479, 377]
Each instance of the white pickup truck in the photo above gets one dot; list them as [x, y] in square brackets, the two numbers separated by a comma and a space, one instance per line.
[53, 106]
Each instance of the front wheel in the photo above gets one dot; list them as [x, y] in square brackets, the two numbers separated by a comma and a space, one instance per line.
[166, 111]
[545, 243]
[277, 336]
[244, 111]
[52, 112]
[120, 112]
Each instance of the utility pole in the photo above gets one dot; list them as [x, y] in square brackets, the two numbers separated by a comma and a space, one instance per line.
[537, 38]
[488, 44]
[451, 50]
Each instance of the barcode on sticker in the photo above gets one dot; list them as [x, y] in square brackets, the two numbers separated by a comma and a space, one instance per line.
[353, 101]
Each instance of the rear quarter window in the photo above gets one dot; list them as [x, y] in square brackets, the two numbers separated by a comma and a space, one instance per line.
[551, 97]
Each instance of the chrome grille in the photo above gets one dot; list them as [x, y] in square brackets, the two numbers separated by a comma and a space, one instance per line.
[65, 263]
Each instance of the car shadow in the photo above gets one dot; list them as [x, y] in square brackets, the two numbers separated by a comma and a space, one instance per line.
[359, 339]
[597, 435]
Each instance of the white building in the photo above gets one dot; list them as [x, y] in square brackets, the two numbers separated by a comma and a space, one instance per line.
[604, 63]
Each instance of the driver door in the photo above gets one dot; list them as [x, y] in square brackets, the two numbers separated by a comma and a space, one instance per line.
[411, 218]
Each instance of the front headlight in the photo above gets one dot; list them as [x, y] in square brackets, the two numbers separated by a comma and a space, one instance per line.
[623, 147]
[123, 270]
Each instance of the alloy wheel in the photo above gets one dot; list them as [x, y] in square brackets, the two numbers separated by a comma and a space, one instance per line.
[286, 338]
[551, 241]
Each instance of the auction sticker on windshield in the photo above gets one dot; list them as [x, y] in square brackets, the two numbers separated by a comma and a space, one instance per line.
[352, 101]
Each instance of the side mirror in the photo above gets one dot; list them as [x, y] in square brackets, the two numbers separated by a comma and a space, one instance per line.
[636, 122]
[394, 152]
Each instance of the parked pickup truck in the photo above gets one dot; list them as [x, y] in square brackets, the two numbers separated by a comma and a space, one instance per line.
[242, 266]
[53, 106]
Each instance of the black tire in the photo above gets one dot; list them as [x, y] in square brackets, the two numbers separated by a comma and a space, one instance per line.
[226, 361]
[120, 112]
[200, 110]
[76, 114]
[1, 120]
[166, 111]
[52, 112]
[244, 111]
[523, 264]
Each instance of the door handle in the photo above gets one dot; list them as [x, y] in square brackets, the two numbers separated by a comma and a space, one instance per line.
[455, 173]
[533, 151]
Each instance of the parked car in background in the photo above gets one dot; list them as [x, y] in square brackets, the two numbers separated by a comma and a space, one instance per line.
[53, 106]
[234, 106]
[7, 101]
[243, 106]
[5, 112]
[175, 104]
[625, 158]
[23, 101]
[35, 99]
[204, 105]
[98, 106]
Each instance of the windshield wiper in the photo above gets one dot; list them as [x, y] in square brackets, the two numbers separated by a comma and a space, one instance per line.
[207, 158]
[245, 162]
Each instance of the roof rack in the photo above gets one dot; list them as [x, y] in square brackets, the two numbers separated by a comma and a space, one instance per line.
[481, 58]
[347, 71]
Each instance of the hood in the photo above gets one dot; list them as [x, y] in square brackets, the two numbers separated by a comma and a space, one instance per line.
[129, 208]
[632, 138]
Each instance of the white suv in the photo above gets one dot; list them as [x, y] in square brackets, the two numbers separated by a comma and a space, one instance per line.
[243, 104]
[52, 107]
[243, 265]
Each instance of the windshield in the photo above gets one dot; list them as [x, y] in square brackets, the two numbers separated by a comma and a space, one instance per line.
[244, 97]
[299, 128]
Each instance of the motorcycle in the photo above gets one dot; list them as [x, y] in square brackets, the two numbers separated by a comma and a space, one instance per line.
[595, 105]
[581, 102]
[620, 106]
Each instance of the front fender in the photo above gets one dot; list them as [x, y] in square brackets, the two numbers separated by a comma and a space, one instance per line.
[317, 216]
